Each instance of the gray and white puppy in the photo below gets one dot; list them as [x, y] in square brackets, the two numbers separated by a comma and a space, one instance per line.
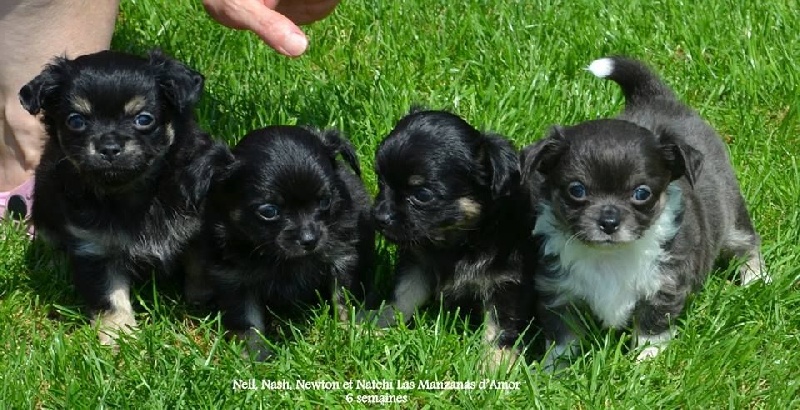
[633, 212]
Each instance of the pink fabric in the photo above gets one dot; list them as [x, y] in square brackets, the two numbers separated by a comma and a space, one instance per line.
[25, 191]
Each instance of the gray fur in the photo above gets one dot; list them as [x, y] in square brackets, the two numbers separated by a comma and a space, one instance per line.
[656, 141]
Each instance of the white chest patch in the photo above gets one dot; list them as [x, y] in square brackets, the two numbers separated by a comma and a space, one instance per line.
[610, 280]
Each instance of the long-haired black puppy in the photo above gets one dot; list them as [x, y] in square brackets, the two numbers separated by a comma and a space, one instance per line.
[450, 199]
[288, 223]
[634, 212]
[124, 174]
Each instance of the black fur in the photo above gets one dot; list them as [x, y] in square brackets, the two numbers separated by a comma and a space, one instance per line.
[319, 241]
[122, 180]
[658, 145]
[450, 199]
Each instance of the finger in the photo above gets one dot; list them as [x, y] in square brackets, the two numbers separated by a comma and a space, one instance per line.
[279, 32]
[273, 28]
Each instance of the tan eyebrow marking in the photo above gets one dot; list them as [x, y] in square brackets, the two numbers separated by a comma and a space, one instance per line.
[81, 105]
[469, 207]
[135, 104]
[416, 180]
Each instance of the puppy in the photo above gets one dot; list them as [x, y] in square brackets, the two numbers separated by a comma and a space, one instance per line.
[450, 199]
[123, 176]
[633, 213]
[288, 223]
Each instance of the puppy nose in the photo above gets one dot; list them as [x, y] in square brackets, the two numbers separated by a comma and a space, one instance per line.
[109, 149]
[383, 214]
[609, 219]
[383, 218]
[308, 238]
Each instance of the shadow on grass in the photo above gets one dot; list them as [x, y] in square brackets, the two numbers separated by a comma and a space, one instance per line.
[50, 279]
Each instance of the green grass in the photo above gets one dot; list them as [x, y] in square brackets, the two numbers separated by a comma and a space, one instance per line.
[513, 67]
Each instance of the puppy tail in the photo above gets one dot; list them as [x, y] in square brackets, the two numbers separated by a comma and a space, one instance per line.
[638, 82]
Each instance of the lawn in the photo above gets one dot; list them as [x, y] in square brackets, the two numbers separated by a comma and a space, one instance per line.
[513, 67]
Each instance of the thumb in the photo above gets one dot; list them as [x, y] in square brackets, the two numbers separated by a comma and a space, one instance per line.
[273, 28]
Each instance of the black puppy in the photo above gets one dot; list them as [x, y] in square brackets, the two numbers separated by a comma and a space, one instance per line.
[124, 173]
[288, 223]
[450, 199]
[634, 212]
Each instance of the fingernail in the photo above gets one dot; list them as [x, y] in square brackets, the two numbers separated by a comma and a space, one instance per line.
[295, 44]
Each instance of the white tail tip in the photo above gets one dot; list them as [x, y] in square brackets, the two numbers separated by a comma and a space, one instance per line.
[602, 67]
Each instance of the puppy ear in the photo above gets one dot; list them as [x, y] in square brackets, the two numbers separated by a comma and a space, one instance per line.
[542, 155]
[337, 144]
[223, 184]
[225, 166]
[198, 177]
[416, 107]
[181, 85]
[501, 159]
[683, 160]
[35, 94]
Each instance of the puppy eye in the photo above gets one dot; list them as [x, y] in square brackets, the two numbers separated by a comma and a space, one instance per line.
[422, 195]
[76, 122]
[325, 203]
[577, 190]
[269, 212]
[143, 120]
[642, 193]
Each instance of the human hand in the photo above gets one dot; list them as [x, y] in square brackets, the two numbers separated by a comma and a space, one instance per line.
[274, 21]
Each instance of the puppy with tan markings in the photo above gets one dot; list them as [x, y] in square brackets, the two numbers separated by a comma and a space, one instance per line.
[633, 213]
[122, 181]
[450, 199]
[289, 223]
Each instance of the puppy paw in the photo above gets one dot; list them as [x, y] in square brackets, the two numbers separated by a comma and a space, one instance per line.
[648, 353]
[366, 316]
[382, 318]
[255, 346]
[110, 325]
[749, 277]
[652, 344]
[341, 310]
[259, 353]
[559, 356]
[553, 363]
[499, 359]
[754, 270]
